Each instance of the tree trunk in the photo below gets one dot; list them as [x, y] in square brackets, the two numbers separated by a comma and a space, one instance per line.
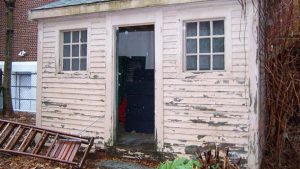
[7, 100]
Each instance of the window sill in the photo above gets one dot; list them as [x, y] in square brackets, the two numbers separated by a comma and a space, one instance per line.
[204, 71]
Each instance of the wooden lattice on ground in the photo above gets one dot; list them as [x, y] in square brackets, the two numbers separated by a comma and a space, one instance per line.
[22, 139]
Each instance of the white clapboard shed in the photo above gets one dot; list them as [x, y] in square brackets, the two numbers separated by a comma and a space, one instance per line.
[184, 73]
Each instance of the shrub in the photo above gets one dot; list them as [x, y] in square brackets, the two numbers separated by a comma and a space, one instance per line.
[206, 160]
[181, 163]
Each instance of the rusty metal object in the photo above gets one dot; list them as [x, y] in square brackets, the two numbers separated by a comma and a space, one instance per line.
[23, 139]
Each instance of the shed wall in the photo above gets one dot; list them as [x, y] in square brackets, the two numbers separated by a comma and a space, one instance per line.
[71, 101]
[207, 107]
[199, 108]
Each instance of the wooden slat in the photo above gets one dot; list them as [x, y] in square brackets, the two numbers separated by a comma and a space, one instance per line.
[91, 142]
[52, 145]
[6, 134]
[59, 149]
[74, 152]
[40, 144]
[39, 156]
[4, 130]
[54, 151]
[25, 139]
[69, 144]
[17, 138]
[3, 124]
[12, 138]
[72, 145]
[28, 140]
[61, 153]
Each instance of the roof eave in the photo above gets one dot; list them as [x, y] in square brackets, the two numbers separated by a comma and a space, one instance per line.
[100, 7]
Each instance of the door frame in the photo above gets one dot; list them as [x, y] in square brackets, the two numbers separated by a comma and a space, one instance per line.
[135, 17]
[117, 70]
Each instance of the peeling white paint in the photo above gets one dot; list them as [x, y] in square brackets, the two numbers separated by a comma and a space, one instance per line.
[192, 108]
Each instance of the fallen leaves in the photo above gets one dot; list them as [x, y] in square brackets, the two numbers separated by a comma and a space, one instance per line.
[23, 162]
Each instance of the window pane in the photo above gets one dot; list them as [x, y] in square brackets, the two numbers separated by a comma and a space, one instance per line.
[75, 64]
[204, 45]
[75, 36]
[83, 50]
[67, 37]
[83, 36]
[66, 51]
[83, 64]
[218, 62]
[191, 29]
[75, 50]
[191, 62]
[218, 45]
[66, 64]
[218, 27]
[204, 62]
[191, 46]
[205, 28]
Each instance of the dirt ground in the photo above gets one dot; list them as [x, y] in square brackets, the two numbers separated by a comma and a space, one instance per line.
[8, 161]
[23, 162]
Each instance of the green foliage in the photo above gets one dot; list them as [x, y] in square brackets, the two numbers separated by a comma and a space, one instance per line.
[181, 163]
[215, 166]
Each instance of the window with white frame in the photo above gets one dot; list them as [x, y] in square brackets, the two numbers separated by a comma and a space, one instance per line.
[74, 50]
[204, 45]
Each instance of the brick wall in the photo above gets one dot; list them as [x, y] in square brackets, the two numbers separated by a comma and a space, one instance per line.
[2, 28]
[25, 35]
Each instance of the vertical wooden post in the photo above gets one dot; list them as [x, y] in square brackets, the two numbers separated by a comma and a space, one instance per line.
[7, 100]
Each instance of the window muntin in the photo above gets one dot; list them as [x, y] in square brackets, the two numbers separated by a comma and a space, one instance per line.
[205, 45]
[74, 50]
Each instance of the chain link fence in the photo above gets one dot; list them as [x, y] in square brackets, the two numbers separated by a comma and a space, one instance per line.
[23, 91]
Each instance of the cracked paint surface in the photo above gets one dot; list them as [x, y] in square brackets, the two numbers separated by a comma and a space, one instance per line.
[200, 109]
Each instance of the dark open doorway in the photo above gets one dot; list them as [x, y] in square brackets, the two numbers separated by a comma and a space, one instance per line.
[135, 86]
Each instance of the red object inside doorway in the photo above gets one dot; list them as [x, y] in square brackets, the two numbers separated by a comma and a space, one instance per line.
[122, 111]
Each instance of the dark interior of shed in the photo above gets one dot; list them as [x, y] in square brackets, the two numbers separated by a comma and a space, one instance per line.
[135, 85]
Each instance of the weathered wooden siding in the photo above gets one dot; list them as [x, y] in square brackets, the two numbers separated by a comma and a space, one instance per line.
[71, 102]
[208, 107]
[198, 109]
